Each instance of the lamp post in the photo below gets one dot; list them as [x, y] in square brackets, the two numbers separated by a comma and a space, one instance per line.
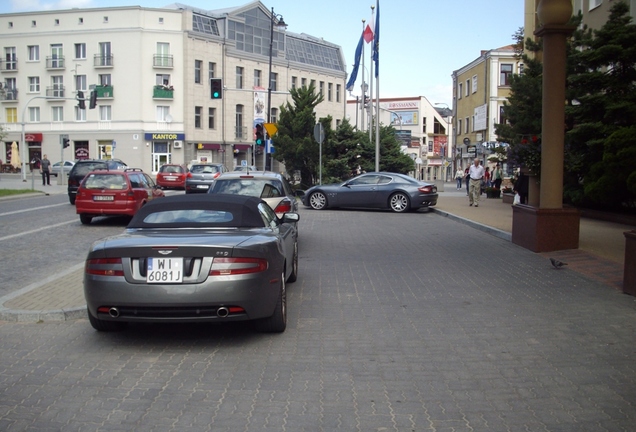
[281, 25]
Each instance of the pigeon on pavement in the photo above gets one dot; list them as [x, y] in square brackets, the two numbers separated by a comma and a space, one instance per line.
[557, 264]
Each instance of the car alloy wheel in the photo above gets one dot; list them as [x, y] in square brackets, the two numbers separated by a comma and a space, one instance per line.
[399, 202]
[318, 201]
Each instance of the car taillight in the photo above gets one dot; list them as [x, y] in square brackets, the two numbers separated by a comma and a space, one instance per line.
[189, 175]
[104, 267]
[237, 266]
[283, 207]
[72, 182]
[426, 189]
[216, 174]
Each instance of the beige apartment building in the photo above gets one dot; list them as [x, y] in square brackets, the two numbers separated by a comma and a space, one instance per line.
[151, 70]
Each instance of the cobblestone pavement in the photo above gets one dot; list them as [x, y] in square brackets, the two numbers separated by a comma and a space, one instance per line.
[398, 322]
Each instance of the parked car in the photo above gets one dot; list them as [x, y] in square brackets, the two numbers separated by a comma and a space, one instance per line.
[187, 258]
[385, 190]
[271, 187]
[83, 167]
[56, 167]
[114, 193]
[248, 168]
[201, 176]
[172, 176]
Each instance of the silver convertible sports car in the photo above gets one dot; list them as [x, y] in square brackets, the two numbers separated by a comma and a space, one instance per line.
[397, 192]
[195, 258]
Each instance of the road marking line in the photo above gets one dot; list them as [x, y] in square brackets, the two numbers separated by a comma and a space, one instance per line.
[31, 209]
[9, 237]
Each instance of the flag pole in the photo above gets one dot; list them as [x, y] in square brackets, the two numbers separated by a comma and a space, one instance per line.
[371, 89]
[376, 57]
[362, 86]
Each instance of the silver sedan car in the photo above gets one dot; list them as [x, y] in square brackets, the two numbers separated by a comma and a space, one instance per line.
[195, 258]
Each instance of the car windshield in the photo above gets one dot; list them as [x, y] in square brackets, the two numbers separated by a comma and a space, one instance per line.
[105, 181]
[190, 216]
[248, 187]
[171, 169]
[204, 169]
[85, 168]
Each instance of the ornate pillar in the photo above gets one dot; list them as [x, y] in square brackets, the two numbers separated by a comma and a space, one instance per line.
[550, 227]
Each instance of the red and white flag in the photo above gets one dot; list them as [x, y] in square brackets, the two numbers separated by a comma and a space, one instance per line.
[368, 34]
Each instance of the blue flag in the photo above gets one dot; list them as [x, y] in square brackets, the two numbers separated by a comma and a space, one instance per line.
[376, 41]
[356, 65]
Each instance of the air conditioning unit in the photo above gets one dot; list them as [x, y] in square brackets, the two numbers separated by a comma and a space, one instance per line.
[178, 144]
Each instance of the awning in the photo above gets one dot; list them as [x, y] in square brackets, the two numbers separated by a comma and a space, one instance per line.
[434, 162]
[33, 137]
[242, 147]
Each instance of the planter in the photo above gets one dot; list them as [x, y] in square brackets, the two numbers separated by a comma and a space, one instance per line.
[493, 193]
[508, 198]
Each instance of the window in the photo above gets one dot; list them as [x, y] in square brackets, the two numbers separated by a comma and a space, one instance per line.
[338, 123]
[162, 113]
[239, 121]
[430, 146]
[312, 83]
[197, 116]
[466, 125]
[11, 115]
[34, 114]
[274, 82]
[211, 117]
[467, 87]
[162, 79]
[58, 86]
[80, 114]
[239, 77]
[257, 78]
[474, 83]
[57, 56]
[163, 57]
[294, 82]
[57, 114]
[105, 113]
[424, 125]
[472, 129]
[274, 115]
[105, 55]
[460, 89]
[502, 115]
[459, 125]
[595, 3]
[80, 82]
[338, 90]
[11, 60]
[505, 74]
[34, 52]
[303, 82]
[211, 68]
[80, 20]
[322, 88]
[104, 79]
[198, 66]
[80, 51]
[34, 84]
[330, 92]
[105, 19]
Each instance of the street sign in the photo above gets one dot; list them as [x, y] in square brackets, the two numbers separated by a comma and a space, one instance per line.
[271, 128]
[319, 133]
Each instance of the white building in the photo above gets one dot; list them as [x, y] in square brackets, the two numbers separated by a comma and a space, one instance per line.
[423, 128]
[151, 70]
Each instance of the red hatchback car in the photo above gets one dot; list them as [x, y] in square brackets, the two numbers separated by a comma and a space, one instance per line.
[114, 193]
[172, 176]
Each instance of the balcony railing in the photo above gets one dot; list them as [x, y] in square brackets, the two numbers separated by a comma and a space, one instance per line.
[163, 61]
[55, 62]
[240, 132]
[104, 91]
[9, 95]
[8, 65]
[162, 92]
[55, 91]
[103, 60]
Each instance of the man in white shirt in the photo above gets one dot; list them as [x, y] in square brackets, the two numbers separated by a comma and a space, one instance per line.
[476, 173]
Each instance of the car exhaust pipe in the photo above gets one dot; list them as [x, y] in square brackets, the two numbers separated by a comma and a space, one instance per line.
[113, 312]
[222, 312]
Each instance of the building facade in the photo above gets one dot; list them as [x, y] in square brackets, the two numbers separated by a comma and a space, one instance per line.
[151, 70]
[423, 128]
[479, 91]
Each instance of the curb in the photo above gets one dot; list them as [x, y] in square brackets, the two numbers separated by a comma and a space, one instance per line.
[481, 227]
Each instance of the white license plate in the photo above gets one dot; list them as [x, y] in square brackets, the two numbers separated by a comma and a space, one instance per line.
[164, 270]
[103, 198]
[202, 186]
[171, 178]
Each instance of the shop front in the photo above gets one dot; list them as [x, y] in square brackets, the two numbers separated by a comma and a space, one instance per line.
[162, 146]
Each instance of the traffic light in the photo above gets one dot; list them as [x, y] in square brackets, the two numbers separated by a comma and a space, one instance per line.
[80, 97]
[93, 101]
[216, 88]
[66, 142]
[259, 135]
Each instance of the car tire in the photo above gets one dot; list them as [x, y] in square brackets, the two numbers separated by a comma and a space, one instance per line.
[318, 201]
[294, 273]
[85, 220]
[71, 199]
[399, 202]
[277, 323]
[105, 326]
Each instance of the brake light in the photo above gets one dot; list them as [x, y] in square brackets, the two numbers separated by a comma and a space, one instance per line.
[189, 175]
[283, 207]
[247, 176]
[237, 266]
[426, 189]
[104, 267]
[217, 174]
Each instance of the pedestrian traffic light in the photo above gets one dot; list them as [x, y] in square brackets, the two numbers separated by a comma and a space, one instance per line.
[216, 88]
[66, 142]
[259, 135]
[80, 97]
[93, 101]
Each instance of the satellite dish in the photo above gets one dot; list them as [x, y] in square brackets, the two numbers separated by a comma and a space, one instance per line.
[169, 118]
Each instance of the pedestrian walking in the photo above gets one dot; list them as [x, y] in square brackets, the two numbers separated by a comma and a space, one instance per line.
[476, 174]
[496, 176]
[45, 169]
[487, 177]
[467, 179]
[459, 175]
[521, 188]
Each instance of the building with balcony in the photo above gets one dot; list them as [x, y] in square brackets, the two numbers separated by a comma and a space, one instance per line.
[160, 62]
[479, 91]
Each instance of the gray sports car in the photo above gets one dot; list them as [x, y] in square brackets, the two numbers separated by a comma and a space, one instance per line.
[195, 258]
[397, 192]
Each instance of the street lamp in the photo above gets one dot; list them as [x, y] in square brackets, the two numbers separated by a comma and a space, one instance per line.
[282, 26]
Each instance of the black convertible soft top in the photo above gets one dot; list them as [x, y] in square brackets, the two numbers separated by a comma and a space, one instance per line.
[217, 210]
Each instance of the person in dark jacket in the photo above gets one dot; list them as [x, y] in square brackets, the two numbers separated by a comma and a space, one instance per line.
[45, 169]
[521, 187]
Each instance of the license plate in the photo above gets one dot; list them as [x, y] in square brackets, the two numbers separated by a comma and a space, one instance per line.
[103, 198]
[164, 270]
[202, 186]
[171, 178]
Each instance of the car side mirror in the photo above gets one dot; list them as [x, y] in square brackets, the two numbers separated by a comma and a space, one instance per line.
[291, 217]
